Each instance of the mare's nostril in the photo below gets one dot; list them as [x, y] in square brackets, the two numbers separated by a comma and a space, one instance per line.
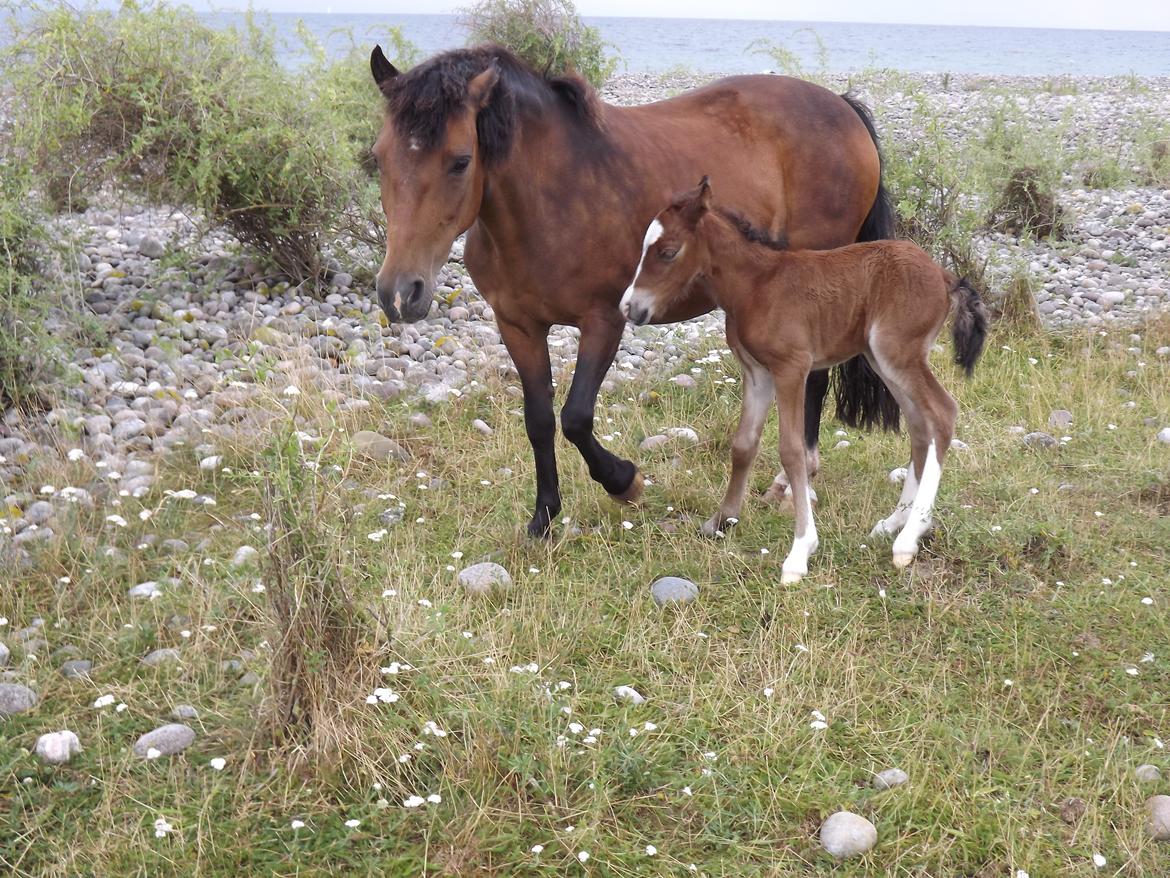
[416, 290]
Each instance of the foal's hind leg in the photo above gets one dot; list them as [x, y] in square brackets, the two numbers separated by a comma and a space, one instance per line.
[757, 399]
[942, 411]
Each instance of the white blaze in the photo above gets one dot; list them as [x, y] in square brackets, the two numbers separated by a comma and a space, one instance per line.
[653, 233]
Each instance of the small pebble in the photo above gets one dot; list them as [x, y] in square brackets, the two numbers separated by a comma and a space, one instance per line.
[57, 748]
[846, 834]
[673, 590]
[890, 778]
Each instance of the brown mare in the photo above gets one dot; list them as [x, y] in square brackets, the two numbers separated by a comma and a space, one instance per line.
[556, 188]
[792, 311]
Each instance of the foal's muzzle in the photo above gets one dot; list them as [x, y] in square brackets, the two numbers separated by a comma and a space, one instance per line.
[637, 315]
[405, 297]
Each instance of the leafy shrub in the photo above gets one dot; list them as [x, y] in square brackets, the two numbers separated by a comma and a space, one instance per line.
[548, 34]
[24, 355]
[787, 59]
[152, 97]
[1027, 206]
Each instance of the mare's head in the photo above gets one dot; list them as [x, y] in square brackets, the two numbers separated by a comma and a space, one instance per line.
[447, 122]
[674, 255]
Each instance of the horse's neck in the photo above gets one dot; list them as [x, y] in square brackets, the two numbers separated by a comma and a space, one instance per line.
[736, 263]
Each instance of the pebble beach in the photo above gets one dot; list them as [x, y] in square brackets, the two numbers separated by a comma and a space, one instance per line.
[190, 318]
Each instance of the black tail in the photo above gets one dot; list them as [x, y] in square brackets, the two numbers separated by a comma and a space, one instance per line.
[969, 329]
[862, 400]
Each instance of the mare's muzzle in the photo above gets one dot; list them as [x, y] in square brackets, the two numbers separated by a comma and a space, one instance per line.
[406, 297]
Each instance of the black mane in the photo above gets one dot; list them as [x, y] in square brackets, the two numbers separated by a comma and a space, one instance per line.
[426, 97]
[752, 233]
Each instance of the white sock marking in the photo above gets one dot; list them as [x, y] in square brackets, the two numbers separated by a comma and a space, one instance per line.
[906, 544]
[796, 564]
[898, 518]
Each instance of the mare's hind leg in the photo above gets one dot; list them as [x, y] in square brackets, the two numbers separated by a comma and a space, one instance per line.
[600, 335]
[789, 380]
[757, 399]
[815, 389]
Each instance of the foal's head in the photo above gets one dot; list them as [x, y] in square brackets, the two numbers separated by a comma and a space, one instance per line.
[674, 255]
[442, 127]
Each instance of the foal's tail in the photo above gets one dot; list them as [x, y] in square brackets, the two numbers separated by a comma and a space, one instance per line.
[862, 400]
[969, 328]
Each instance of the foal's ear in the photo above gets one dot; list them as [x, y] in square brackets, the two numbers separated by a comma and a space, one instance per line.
[698, 203]
[381, 67]
[480, 87]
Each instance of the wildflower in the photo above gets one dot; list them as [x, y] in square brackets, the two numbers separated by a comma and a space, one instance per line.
[104, 701]
[297, 824]
[537, 849]
[218, 763]
[434, 798]
[651, 850]
[413, 801]
[162, 828]
[583, 856]
[353, 824]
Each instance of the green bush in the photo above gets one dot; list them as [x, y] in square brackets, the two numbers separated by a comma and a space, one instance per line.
[155, 99]
[24, 355]
[548, 34]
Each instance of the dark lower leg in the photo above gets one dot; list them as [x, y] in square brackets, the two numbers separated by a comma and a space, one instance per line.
[529, 350]
[599, 343]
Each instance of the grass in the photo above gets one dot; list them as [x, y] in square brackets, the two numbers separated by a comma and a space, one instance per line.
[1041, 588]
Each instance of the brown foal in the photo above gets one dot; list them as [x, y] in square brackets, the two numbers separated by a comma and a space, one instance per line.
[792, 311]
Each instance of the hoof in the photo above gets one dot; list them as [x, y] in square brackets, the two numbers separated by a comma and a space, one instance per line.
[790, 577]
[880, 530]
[779, 495]
[633, 493]
[710, 528]
[902, 560]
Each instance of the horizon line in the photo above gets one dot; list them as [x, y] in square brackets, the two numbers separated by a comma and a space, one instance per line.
[801, 21]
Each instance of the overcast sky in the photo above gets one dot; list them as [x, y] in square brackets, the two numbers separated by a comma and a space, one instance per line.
[1095, 14]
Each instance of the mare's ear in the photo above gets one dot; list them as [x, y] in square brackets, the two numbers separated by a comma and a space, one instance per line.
[381, 67]
[481, 86]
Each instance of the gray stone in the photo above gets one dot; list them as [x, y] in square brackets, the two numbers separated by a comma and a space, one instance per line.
[1164, 435]
[1060, 418]
[57, 748]
[1040, 440]
[38, 512]
[652, 442]
[185, 712]
[482, 427]
[15, 698]
[673, 590]
[166, 656]
[685, 381]
[1147, 773]
[392, 516]
[128, 429]
[628, 694]
[245, 555]
[1158, 817]
[420, 420]
[145, 590]
[5, 654]
[484, 578]
[890, 778]
[151, 248]
[846, 834]
[375, 446]
[167, 740]
[76, 668]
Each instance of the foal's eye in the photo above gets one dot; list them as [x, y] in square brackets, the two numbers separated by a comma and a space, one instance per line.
[668, 254]
[460, 164]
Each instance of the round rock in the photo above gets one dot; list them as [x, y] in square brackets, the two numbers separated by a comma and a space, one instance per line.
[1158, 817]
[673, 590]
[185, 711]
[76, 668]
[846, 834]
[890, 778]
[484, 577]
[5, 654]
[57, 748]
[166, 740]
[15, 698]
[1038, 439]
[1147, 773]
[376, 447]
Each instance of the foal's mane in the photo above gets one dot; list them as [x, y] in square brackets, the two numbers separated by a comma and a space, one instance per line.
[426, 97]
[753, 234]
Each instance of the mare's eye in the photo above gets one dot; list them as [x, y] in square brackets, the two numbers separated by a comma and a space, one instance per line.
[460, 164]
[668, 254]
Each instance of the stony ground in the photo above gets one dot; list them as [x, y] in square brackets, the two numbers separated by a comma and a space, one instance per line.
[138, 512]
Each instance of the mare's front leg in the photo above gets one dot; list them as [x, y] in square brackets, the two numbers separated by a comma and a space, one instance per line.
[789, 378]
[757, 399]
[528, 346]
[600, 335]
[815, 389]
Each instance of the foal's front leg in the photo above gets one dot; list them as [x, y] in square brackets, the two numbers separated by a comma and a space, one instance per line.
[757, 399]
[789, 380]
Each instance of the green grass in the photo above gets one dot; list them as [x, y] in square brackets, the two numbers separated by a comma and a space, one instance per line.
[909, 669]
